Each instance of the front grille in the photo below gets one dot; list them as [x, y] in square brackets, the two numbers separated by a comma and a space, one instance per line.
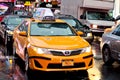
[104, 27]
[57, 53]
[59, 66]
[66, 53]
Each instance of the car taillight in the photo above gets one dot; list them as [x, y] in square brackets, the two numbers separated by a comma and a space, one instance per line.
[1, 17]
[93, 26]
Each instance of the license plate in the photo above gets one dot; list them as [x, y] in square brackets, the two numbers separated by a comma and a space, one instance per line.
[67, 63]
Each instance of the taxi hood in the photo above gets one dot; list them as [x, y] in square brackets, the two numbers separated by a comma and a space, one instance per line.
[71, 42]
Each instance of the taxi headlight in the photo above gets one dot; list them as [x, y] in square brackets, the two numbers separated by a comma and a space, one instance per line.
[86, 49]
[40, 50]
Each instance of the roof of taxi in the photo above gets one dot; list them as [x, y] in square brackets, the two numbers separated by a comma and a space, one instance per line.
[38, 20]
[44, 15]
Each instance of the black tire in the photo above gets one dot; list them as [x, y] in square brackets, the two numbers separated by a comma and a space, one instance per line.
[28, 72]
[106, 54]
[26, 61]
[9, 46]
[15, 56]
[6, 40]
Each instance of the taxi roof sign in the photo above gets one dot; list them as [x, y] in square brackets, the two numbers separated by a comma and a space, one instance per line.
[27, 3]
[43, 13]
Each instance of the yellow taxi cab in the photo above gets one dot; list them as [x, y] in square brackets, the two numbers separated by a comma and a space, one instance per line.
[51, 45]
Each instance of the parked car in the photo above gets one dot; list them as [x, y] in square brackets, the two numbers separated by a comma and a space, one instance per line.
[49, 44]
[7, 26]
[75, 23]
[110, 45]
[23, 12]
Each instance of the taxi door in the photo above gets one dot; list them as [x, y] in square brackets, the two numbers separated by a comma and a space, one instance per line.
[21, 39]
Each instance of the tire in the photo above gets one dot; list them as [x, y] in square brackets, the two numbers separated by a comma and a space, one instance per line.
[106, 54]
[8, 45]
[17, 60]
[26, 61]
[6, 40]
[15, 56]
[28, 72]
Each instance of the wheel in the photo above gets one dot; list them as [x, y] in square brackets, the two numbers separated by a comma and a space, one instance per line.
[28, 72]
[106, 53]
[15, 56]
[9, 45]
[26, 61]
[6, 40]
[17, 60]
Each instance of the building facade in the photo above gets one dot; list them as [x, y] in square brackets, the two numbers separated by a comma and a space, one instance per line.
[116, 10]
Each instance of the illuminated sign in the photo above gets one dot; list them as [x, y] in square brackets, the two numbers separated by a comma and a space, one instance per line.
[27, 3]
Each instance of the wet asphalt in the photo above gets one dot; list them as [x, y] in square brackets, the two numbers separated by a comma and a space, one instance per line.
[10, 71]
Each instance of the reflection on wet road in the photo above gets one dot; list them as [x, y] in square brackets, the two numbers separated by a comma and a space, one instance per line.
[10, 71]
[5, 68]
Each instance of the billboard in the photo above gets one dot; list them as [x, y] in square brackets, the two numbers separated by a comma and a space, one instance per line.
[6, 0]
[3, 9]
[6, 8]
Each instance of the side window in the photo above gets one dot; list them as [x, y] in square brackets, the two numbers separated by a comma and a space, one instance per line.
[117, 31]
[23, 26]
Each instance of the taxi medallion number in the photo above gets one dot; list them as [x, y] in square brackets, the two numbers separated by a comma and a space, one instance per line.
[67, 63]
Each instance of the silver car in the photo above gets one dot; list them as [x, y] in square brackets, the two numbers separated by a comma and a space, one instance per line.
[110, 45]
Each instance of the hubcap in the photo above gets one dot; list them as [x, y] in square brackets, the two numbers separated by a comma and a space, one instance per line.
[106, 55]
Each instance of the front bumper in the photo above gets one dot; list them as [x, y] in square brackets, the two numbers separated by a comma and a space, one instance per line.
[60, 63]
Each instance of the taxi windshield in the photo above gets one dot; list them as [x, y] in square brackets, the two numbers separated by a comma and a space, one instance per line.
[51, 29]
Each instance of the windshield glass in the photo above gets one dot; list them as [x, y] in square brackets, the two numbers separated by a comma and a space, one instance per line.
[13, 22]
[98, 16]
[51, 29]
[74, 23]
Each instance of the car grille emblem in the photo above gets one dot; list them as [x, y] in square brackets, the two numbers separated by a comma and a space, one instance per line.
[67, 53]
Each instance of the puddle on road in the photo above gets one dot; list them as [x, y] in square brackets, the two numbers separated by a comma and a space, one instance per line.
[8, 71]
[5, 68]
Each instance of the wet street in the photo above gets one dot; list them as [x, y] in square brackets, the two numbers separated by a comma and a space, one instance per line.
[10, 71]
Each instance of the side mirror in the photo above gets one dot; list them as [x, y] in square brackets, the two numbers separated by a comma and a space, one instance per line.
[23, 33]
[2, 23]
[79, 33]
[107, 30]
[81, 17]
[113, 19]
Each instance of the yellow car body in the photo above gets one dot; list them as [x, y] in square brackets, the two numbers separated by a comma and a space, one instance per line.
[52, 53]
